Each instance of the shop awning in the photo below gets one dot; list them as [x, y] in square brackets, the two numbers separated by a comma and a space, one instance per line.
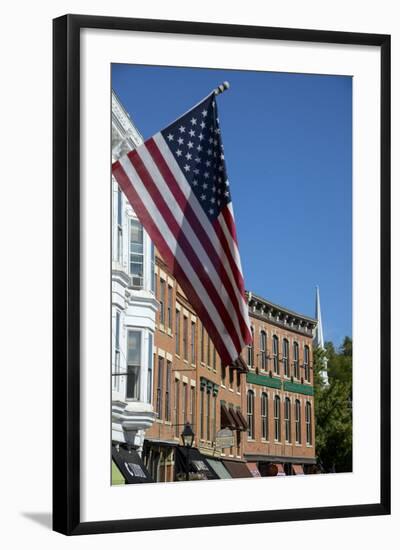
[242, 419]
[219, 468]
[227, 420]
[237, 469]
[298, 469]
[198, 464]
[252, 466]
[281, 471]
[131, 465]
[116, 477]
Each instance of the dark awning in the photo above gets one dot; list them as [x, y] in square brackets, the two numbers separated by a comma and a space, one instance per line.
[226, 418]
[239, 424]
[198, 464]
[242, 419]
[131, 465]
[237, 469]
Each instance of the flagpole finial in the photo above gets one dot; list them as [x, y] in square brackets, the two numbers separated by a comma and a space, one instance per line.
[222, 88]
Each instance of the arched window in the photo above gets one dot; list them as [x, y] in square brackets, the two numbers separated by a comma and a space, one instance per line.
[275, 352]
[288, 421]
[296, 370]
[264, 416]
[277, 417]
[285, 357]
[263, 349]
[307, 363]
[308, 423]
[298, 421]
[250, 414]
[250, 350]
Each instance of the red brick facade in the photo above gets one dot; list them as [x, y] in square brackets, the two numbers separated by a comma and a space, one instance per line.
[189, 384]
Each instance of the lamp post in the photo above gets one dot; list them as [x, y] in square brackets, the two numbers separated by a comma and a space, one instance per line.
[187, 439]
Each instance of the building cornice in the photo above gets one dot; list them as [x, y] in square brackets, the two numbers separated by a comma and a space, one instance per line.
[267, 311]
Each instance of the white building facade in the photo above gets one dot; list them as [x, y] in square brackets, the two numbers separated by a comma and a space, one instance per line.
[133, 303]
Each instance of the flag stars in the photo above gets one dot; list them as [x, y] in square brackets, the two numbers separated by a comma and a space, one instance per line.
[182, 129]
[180, 141]
[194, 121]
[188, 156]
[199, 148]
[203, 197]
[205, 185]
[190, 145]
[211, 211]
[201, 137]
[202, 124]
[170, 137]
[179, 153]
[187, 168]
[204, 113]
[192, 133]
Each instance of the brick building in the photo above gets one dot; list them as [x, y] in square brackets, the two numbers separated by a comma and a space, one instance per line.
[264, 414]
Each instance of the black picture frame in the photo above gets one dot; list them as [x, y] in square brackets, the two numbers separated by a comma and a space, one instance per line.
[66, 273]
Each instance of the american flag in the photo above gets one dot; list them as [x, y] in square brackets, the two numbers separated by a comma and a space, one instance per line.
[177, 183]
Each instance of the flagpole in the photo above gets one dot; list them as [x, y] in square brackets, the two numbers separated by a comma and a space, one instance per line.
[222, 88]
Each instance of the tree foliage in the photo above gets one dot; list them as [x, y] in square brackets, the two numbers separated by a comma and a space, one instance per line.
[333, 407]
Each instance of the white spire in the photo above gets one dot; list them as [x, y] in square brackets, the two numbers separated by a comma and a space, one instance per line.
[319, 335]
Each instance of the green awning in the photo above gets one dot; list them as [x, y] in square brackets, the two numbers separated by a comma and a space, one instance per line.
[219, 469]
[116, 477]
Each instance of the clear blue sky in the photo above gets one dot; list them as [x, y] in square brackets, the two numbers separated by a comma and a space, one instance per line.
[288, 150]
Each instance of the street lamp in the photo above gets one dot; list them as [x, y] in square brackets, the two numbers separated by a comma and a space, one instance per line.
[187, 438]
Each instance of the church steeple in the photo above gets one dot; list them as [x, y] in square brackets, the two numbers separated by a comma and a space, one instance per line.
[319, 335]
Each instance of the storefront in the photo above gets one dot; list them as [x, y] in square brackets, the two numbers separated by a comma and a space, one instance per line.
[189, 462]
[159, 458]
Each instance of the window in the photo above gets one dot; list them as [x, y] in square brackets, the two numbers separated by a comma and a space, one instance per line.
[277, 417]
[288, 437]
[296, 360]
[202, 343]
[193, 343]
[231, 376]
[185, 338]
[193, 407]
[150, 369]
[177, 332]
[307, 363]
[176, 407]
[214, 417]
[133, 365]
[208, 416]
[162, 301]
[117, 352]
[153, 268]
[214, 361]
[238, 381]
[308, 423]
[202, 413]
[298, 421]
[223, 374]
[285, 357]
[250, 414]
[208, 349]
[169, 307]
[263, 350]
[160, 375]
[264, 416]
[136, 254]
[275, 352]
[168, 392]
[185, 403]
[250, 350]
[119, 225]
